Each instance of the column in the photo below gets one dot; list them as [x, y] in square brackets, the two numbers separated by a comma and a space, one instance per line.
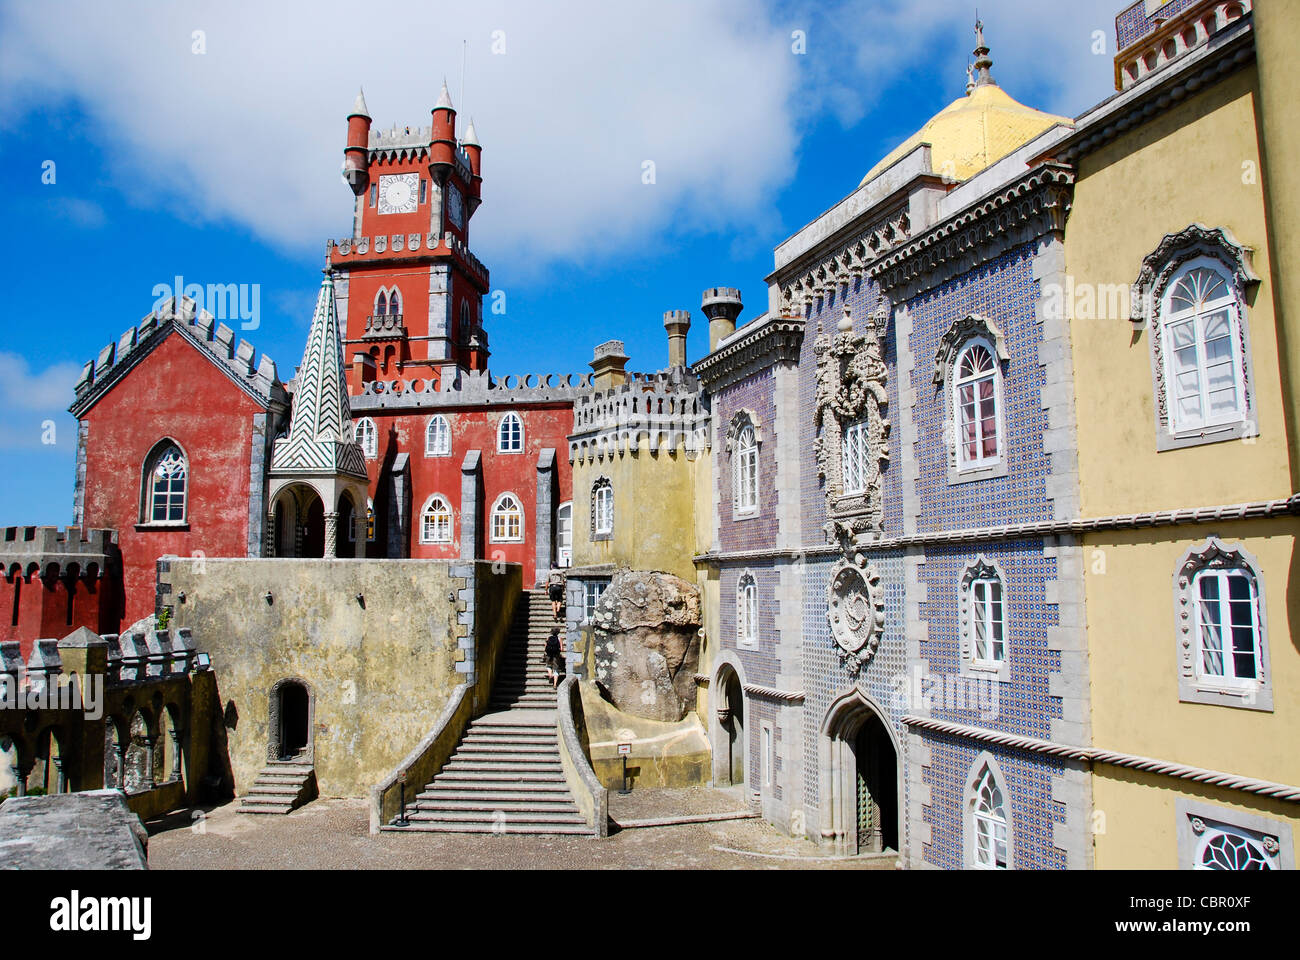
[359, 530]
[60, 780]
[545, 512]
[150, 741]
[331, 533]
[470, 508]
[176, 753]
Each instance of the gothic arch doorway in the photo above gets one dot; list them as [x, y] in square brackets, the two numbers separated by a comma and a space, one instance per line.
[290, 721]
[860, 780]
[730, 743]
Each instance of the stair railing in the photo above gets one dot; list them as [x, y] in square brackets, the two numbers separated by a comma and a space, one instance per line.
[591, 798]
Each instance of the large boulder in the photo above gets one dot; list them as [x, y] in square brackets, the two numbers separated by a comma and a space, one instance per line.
[647, 643]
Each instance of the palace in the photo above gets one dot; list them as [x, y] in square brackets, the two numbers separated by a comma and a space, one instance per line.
[975, 547]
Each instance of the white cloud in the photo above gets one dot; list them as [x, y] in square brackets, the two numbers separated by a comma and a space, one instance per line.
[37, 402]
[251, 130]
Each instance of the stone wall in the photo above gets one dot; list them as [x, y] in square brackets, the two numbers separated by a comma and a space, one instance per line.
[380, 644]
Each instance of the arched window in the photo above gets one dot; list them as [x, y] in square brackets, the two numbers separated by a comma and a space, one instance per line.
[857, 454]
[394, 303]
[976, 387]
[745, 487]
[747, 610]
[602, 509]
[984, 617]
[988, 823]
[437, 437]
[368, 437]
[507, 525]
[166, 484]
[381, 304]
[435, 521]
[510, 434]
[1200, 322]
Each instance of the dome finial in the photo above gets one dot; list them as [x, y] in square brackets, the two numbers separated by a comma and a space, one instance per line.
[982, 60]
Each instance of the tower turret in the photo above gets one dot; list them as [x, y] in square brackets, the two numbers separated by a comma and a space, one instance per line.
[442, 148]
[356, 154]
[722, 305]
[678, 324]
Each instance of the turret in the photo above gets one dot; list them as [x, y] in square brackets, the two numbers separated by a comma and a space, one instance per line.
[608, 366]
[442, 149]
[356, 161]
[722, 305]
[474, 150]
[678, 324]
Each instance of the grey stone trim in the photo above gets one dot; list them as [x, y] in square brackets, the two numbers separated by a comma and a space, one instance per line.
[1016, 213]
[440, 306]
[916, 751]
[31, 549]
[1192, 814]
[469, 388]
[788, 456]
[771, 693]
[546, 483]
[471, 506]
[916, 826]
[772, 341]
[1215, 553]
[908, 434]
[1069, 638]
[257, 485]
[399, 506]
[1060, 438]
[666, 409]
[1182, 771]
[79, 484]
[1254, 510]
[466, 617]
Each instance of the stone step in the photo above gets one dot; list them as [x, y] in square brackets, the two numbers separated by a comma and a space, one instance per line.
[488, 815]
[262, 789]
[529, 782]
[491, 799]
[419, 826]
[511, 739]
[501, 765]
[507, 756]
[509, 746]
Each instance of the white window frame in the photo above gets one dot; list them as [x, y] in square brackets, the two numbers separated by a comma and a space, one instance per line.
[980, 823]
[1201, 823]
[747, 610]
[981, 461]
[446, 513]
[602, 509]
[988, 612]
[367, 437]
[499, 509]
[592, 591]
[161, 450]
[510, 444]
[745, 473]
[856, 469]
[1179, 423]
[1220, 562]
[433, 448]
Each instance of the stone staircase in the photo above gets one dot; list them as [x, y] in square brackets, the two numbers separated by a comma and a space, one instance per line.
[280, 787]
[505, 776]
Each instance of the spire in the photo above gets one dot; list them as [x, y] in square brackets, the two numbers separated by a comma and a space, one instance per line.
[471, 136]
[970, 79]
[359, 107]
[320, 428]
[444, 98]
[982, 60]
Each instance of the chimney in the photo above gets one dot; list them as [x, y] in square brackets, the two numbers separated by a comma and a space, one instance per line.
[356, 155]
[722, 305]
[677, 323]
[607, 366]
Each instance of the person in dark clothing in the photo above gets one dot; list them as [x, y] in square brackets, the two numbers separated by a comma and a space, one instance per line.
[555, 590]
[554, 658]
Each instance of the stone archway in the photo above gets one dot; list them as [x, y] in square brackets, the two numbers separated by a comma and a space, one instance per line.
[861, 777]
[290, 719]
[728, 725]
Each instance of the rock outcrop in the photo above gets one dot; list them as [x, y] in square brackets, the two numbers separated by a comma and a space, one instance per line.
[647, 645]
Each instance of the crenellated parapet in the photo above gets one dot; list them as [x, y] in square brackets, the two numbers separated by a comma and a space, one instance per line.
[666, 410]
[469, 388]
[122, 659]
[255, 374]
[56, 552]
[398, 246]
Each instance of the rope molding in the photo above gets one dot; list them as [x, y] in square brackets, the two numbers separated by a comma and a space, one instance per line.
[1267, 788]
[1255, 510]
[771, 693]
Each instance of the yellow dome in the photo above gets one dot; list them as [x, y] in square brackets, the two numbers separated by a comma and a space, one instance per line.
[973, 132]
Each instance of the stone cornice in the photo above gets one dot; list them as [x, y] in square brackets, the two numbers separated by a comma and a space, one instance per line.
[773, 342]
[1254, 510]
[771, 693]
[1018, 212]
[1231, 781]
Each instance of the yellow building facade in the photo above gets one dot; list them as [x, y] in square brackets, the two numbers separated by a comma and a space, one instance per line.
[1185, 447]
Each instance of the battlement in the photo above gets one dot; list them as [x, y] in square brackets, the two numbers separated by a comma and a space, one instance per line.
[405, 244]
[257, 375]
[28, 549]
[1149, 35]
[126, 658]
[470, 388]
[664, 408]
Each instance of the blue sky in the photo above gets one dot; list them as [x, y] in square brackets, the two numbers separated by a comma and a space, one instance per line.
[204, 140]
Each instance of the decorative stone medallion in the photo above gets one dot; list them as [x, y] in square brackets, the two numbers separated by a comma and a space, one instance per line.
[855, 606]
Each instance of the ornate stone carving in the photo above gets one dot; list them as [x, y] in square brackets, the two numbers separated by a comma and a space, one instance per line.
[855, 606]
[739, 421]
[1159, 266]
[851, 377]
[962, 331]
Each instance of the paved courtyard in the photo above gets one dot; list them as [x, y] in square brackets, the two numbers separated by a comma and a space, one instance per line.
[334, 835]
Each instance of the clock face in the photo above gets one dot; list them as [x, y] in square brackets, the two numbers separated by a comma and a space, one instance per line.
[455, 206]
[397, 192]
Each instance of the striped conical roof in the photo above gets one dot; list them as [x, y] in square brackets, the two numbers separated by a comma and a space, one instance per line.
[320, 427]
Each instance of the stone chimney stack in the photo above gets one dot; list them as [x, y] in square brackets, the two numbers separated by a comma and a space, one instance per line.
[607, 366]
[722, 305]
[678, 324]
